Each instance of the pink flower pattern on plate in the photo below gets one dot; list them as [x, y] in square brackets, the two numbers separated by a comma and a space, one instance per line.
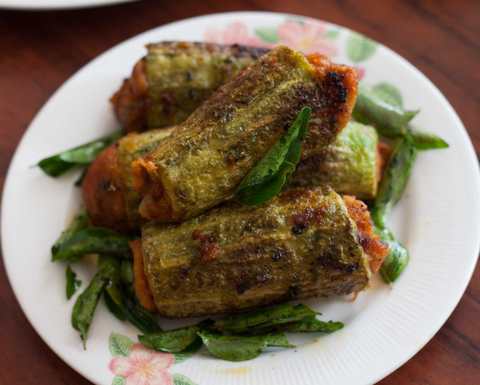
[308, 37]
[143, 367]
[234, 33]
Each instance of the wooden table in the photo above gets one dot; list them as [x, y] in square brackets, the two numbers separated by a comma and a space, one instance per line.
[40, 50]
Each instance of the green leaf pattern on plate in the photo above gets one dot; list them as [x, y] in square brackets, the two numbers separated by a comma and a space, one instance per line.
[180, 379]
[388, 93]
[118, 380]
[267, 34]
[180, 357]
[360, 48]
[119, 345]
[332, 33]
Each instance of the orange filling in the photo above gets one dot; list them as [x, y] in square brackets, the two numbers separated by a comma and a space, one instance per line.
[140, 283]
[371, 243]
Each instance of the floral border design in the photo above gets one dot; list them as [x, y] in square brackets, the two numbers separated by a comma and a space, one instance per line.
[134, 364]
[308, 36]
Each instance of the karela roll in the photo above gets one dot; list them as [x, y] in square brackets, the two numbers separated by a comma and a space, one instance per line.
[174, 78]
[203, 161]
[107, 188]
[301, 244]
[350, 165]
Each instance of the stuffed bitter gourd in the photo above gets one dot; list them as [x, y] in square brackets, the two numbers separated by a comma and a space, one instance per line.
[206, 157]
[174, 78]
[301, 244]
[350, 165]
[108, 193]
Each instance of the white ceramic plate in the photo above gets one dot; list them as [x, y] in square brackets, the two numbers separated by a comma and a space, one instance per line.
[438, 220]
[56, 4]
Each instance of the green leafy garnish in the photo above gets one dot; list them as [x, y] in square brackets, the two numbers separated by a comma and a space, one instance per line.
[123, 305]
[140, 317]
[241, 337]
[270, 174]
[83, 155]
[75, 243]
[427, 141]
[188, 352]
[72, 282]
[79, 222]
[312, 324]
[79, 181]
[391, 188]
[263, 319]
[113, 297]
[84, 308]
[394, 181]
[126, 272]
[173, 341]
[381, 106]
[397, 258]
[241, 348]
[390, 120]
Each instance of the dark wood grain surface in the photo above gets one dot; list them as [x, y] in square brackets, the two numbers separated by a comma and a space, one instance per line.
[40, 50]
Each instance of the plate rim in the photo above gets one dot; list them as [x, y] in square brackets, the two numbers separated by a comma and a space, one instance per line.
[467, 274]
[50, 6]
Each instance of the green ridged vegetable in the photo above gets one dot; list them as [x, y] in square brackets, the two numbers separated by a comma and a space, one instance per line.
[349, 165]
[181, 75]
[203, 162]
[300, 244]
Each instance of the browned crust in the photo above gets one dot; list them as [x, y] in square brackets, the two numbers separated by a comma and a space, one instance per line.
[337, 95]
[131, 100]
